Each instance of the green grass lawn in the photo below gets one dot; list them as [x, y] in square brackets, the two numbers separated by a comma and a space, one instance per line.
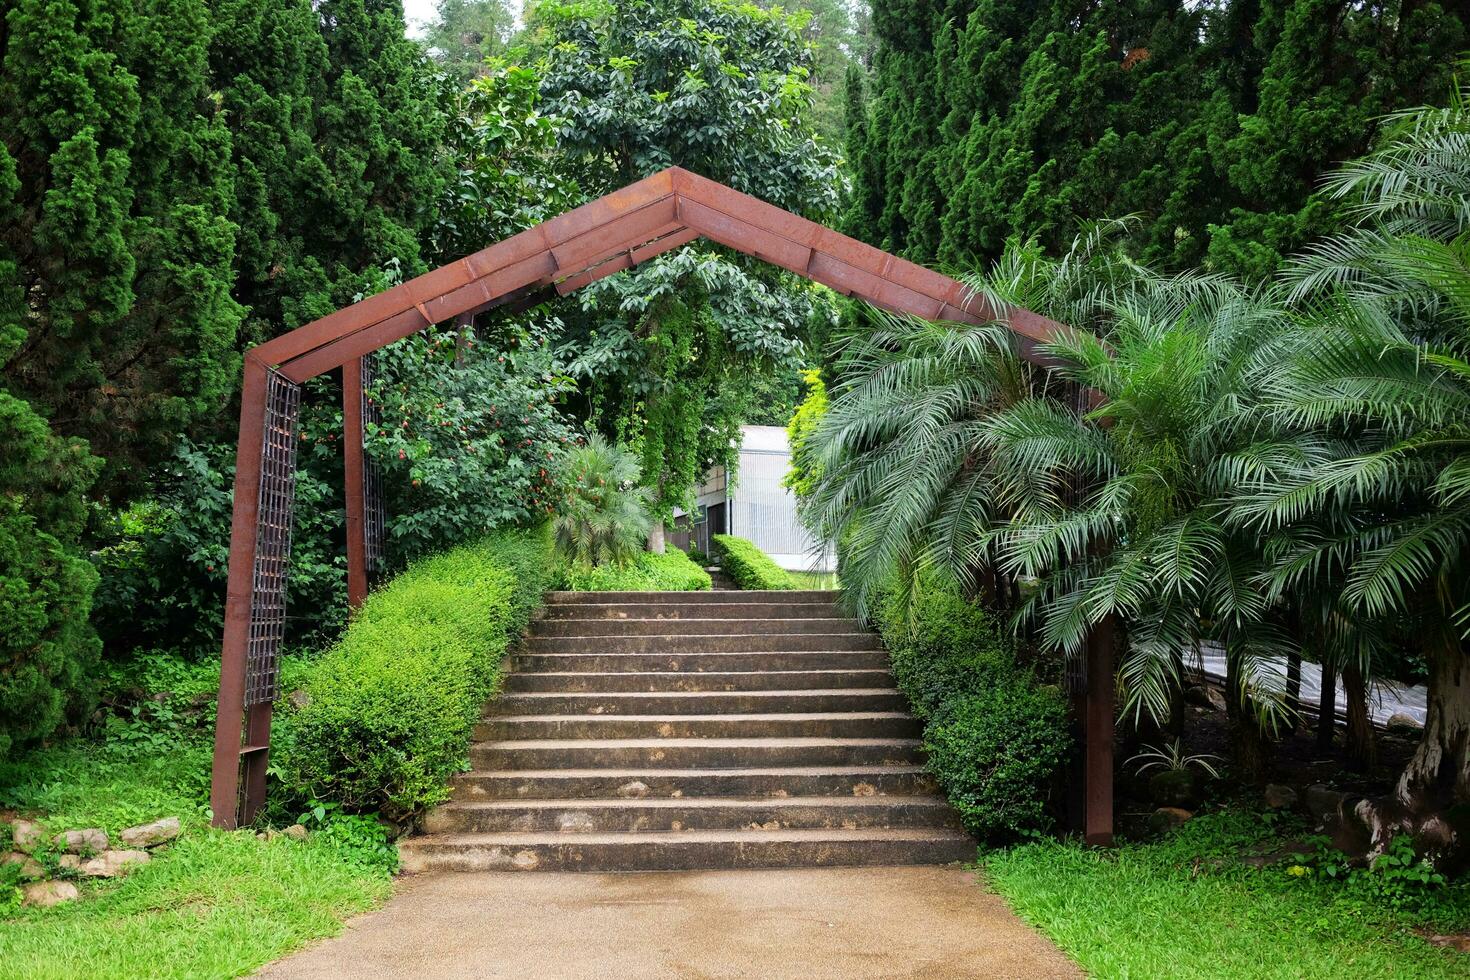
[1186, 907]
[211, 904]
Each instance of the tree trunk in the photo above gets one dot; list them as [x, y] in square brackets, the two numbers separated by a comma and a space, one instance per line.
[1327, 705]
[656, 538]
[1438, 775]
[1294, 688]
[1361, 745]
[1439, 772]
[1246, 740]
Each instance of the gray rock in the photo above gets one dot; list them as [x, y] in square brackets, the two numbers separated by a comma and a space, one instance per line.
[30, 868]
[1322, 801]
[1205, 696]
[27, 836]
[1166, 818]
[1400, 723]
[296, 832]
[1280, 797]
[89, 841]
[44, 894]
[110, 864]
[151, 834]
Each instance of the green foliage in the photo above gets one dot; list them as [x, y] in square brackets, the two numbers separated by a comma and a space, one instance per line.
[991, 122]
[507, 172]
[805, 473]
[672, 571]
[166, 561]
[47, 646]
[1192, 908]
[602, 514]
[666, 352]
[750, 567]
[995, 739]
[115, 222]
[468, 436]
[464, 33]
[391, 707]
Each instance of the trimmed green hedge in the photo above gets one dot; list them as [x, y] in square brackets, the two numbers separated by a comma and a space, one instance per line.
[995, 738]
[390, 709]
[750, 567]
[672, 571]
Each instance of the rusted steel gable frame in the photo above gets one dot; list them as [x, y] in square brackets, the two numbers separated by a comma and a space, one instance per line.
[559, 256]
[616, 232]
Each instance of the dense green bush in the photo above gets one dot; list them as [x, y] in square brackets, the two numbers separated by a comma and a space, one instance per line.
[750, 567]
[389, 710]
[995, 737]
[672, 571]
[47, 645]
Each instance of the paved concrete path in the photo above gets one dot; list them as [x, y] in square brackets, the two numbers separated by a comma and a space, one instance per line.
[840, 923]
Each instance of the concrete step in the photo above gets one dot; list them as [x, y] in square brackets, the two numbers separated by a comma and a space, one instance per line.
[658, 681]
[667, 816]
[709, 607]
[697, 702]
[678, 598]
[661, 783]
[702, 643]
[835, 724]
[694, 753]
[684, 851]
[689, 626]
[615, 663]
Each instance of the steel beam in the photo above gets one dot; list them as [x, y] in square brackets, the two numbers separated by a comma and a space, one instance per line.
[1097, 727]
[229, 725]
[354, 477]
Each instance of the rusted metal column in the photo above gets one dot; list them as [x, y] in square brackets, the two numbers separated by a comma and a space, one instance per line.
[1097, 726]
[230, 713]
[353, 470]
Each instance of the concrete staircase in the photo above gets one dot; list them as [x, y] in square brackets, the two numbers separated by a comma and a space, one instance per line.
[644, 731]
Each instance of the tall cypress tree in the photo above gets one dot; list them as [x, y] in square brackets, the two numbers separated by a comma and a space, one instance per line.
[119, 237]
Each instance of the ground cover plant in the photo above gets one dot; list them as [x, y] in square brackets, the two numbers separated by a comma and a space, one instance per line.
[208, 904]
[1192, 906]
[750, 567]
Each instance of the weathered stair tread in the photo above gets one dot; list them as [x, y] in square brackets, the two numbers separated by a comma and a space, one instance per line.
[700, 802]
[633, 773]
[685, 850]
[650, 731]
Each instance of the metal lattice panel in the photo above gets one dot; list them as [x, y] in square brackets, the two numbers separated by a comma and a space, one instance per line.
[375, 512]
[273, 539]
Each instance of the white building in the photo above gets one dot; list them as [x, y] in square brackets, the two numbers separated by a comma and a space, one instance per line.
[754, 505]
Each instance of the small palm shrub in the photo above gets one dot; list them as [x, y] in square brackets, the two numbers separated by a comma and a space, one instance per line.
[750, 567]
[603, 516]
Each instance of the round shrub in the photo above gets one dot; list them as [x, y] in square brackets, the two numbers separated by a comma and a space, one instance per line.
[994, 754]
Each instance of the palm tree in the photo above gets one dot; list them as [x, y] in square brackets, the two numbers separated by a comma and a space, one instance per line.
[1387, 373]
[1126, 511]
[898, 468]
[603, 515]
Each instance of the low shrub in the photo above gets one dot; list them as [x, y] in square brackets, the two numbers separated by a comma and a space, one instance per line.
[672, 571]
[995, 737]
[750, 567]
[389, 709]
